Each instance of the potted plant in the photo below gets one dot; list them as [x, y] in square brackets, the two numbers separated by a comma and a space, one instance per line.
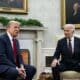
[29, 22]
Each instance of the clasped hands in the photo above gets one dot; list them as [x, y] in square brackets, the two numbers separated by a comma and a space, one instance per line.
[21, 72]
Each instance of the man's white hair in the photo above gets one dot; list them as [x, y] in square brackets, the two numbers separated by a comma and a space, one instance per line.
[72, 26]
[13, 22]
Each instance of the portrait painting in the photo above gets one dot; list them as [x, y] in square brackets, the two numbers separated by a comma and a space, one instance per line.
[70, 12]
[13, 6]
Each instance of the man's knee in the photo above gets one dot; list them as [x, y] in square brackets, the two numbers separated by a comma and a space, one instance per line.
[12, 72]
[31, 70]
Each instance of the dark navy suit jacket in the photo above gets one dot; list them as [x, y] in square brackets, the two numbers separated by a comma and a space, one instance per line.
[6, 54]
[66, 56]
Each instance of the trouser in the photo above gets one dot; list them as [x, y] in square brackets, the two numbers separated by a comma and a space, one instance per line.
[30, 72]
[12, 73]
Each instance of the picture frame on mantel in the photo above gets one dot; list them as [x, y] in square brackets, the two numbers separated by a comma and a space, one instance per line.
[70, 13]
[14, 6]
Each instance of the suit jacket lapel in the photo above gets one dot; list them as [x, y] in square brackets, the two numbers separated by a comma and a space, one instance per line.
[75, 44]
[65, 43]
[10, 46]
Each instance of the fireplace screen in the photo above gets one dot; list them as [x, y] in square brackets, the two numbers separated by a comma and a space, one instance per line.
[48, 60]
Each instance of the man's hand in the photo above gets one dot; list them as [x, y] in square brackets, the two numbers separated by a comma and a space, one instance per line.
[21, 72]
[55, 62]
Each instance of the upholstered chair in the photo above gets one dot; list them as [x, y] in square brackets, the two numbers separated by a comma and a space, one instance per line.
[70, 75]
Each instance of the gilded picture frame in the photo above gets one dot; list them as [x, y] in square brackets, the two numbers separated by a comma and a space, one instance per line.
[70, 12]
[14, 6]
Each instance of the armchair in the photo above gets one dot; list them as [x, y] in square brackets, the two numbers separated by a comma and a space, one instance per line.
[70, 75]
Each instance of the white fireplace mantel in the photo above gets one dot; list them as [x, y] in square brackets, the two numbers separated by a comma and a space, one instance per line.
[33, 28]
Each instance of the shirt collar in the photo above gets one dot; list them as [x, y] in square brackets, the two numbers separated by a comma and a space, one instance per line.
[9, 35]
[72, 38]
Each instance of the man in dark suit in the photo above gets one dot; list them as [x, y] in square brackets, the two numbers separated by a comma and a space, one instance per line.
[69, 50]
[11, 64]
